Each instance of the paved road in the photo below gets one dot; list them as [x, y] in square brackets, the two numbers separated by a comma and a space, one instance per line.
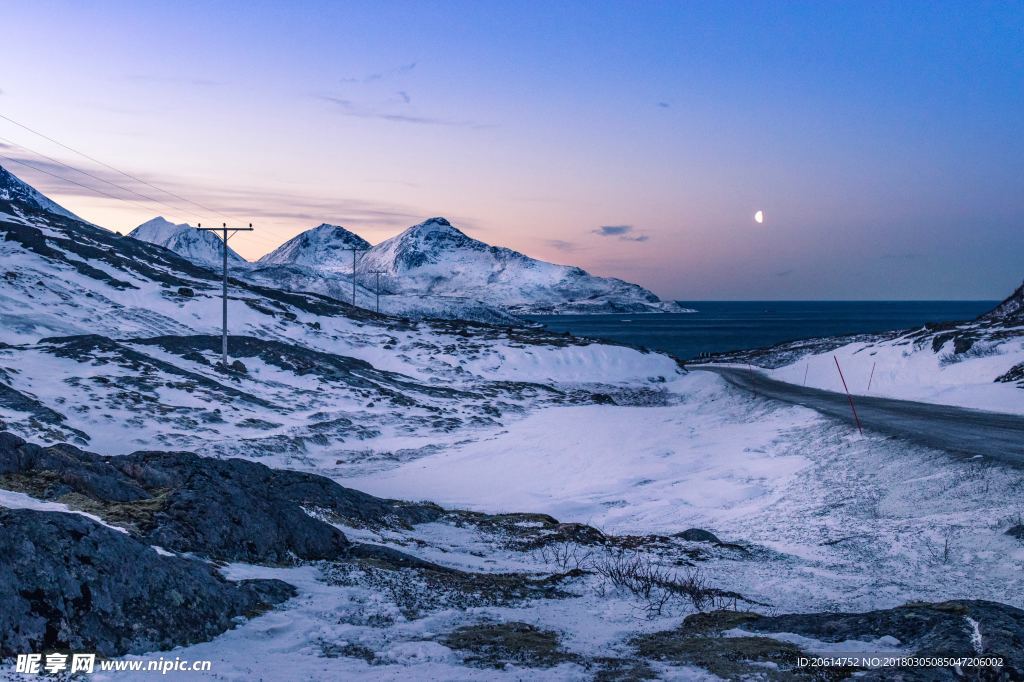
[956, 429]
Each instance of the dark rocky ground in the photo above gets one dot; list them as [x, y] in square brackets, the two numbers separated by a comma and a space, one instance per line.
[67, 581]
[926, 630]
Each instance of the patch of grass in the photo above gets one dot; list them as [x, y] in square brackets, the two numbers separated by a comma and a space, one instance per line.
[138, 516]
[623, 670]
[347, 650]
[418, 591]
[495, 645]
[717, 621]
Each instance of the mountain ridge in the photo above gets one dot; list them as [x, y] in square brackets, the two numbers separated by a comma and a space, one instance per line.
[435, 269]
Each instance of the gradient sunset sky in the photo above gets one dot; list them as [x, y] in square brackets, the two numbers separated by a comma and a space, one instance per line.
[884, 141]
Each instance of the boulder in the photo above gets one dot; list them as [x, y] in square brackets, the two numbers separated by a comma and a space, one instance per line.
[698, 535]
[70, 583]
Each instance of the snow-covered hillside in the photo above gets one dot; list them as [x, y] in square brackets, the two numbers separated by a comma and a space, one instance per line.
[338, 285]
[199, 246]
[325, 246]
[1010, 310]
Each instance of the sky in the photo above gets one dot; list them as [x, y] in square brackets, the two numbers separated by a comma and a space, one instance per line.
[884, 141]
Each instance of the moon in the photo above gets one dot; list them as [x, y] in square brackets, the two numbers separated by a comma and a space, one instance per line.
[759, 217]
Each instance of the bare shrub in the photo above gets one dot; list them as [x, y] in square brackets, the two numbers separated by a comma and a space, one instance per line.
[655, 585]
[567, 556]
[942, 550]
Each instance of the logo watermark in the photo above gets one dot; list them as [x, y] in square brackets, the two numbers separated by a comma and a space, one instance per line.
[38, 664]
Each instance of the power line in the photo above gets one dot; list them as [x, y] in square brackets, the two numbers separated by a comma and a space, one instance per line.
[96, 177]
[95, 190]
[265, 241]
[61, 177]
[116, 170]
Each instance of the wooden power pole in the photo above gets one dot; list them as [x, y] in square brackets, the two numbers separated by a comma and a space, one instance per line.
[354, 250]
[224, 289]
[378, 273]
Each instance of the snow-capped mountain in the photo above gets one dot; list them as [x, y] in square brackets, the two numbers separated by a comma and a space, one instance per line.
[14, 190]
[324, 246]
[436, 258]
[199, 246]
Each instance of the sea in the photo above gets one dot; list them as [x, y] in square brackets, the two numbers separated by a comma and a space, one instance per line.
[720, 326]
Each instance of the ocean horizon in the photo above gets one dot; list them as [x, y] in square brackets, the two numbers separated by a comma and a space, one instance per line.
[721, 326]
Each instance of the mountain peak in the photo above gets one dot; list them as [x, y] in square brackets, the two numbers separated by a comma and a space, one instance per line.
[325, 245]
[437, 230]
[185, 240]
[17, 191]
[437, 224]
[159, 220]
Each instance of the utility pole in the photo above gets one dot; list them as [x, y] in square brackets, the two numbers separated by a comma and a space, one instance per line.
[378, 273]
[224, 290]
[354, 249]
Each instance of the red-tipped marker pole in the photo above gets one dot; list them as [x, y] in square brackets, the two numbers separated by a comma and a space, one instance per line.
[848, 396]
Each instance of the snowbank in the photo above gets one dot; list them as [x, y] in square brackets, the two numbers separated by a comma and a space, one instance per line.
[910, 373]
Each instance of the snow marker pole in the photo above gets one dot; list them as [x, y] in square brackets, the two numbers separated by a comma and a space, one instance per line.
[848, 396]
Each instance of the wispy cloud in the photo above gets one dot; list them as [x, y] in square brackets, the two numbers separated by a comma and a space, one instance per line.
[562, 245]
[368, 102]
[381, 75]
[625, 233]
[248, 203]
[383, 112]
[613, 230]
[664, 105]
[154, 78]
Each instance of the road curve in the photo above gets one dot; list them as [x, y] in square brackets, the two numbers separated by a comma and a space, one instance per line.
[955, 429]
